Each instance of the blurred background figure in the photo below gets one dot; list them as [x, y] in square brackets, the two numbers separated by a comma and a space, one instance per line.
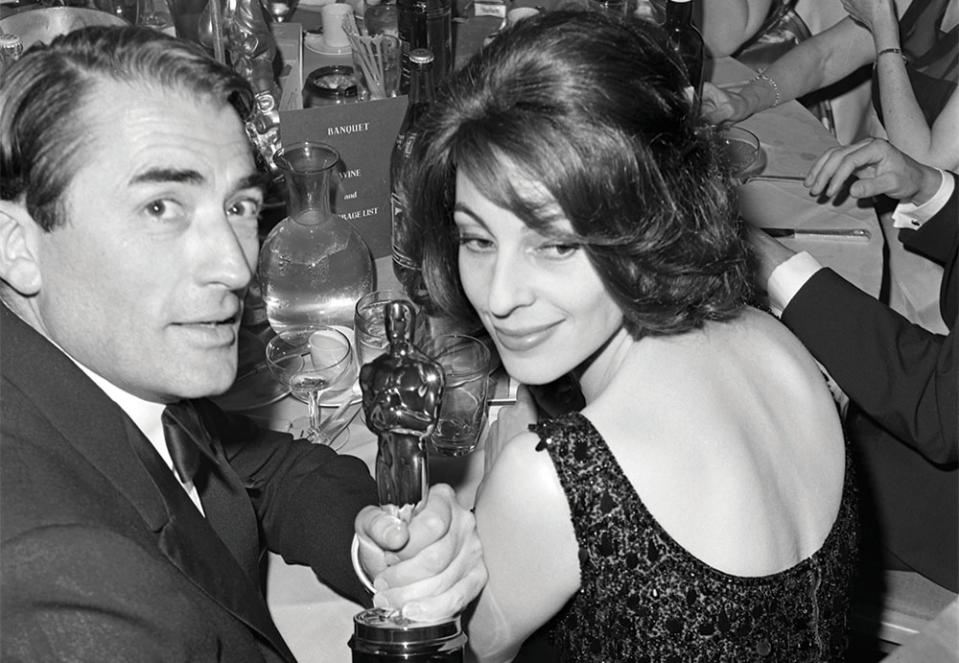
[914, 50]
[914, 80]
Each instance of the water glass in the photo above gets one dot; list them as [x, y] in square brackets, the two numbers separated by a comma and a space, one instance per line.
[466, 366]
[381, 18]
[369, 323]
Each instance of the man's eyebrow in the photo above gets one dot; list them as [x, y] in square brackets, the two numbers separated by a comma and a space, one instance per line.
[257, 180]
[160, 175]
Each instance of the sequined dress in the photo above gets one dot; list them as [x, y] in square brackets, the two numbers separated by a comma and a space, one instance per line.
[644, 598]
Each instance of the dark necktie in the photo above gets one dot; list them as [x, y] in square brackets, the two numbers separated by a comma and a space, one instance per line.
[226, 504]
[183, 431]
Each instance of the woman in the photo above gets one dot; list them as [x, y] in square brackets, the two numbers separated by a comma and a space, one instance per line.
[914, 77]
[698, 507]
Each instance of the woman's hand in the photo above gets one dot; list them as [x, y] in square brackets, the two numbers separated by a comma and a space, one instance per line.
[511, 421]
[723, 105]
[878, 16]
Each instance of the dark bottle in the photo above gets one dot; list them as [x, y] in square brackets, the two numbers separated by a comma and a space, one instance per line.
[687, 41]
[405, 240]
[425, 24]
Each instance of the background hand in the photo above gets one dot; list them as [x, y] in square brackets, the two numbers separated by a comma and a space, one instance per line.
[879, 168]
[770, 254]
[874, 15]
[723, 105]
[430, 570]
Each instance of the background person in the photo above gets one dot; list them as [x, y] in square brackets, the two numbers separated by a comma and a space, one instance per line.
[897, 374]
[914, 79]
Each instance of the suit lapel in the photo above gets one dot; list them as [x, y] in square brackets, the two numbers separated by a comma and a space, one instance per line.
[101, 432]
[191, 544]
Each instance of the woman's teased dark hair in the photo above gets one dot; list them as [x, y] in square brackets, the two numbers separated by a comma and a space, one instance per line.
[593, 108]
[43, 105]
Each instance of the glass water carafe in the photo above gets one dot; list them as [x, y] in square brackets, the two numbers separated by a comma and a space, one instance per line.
[313, 265]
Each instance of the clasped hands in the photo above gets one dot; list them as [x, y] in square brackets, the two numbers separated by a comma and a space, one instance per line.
[429, 569]
[433, 567]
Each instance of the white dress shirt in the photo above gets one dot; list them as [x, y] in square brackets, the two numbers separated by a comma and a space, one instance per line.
[146, 415]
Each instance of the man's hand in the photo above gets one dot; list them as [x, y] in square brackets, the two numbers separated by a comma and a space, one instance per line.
[511, 421]
[430, 569]
[770, 253]
[879, 168]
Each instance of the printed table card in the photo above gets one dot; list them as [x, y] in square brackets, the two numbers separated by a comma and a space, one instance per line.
[363, 133]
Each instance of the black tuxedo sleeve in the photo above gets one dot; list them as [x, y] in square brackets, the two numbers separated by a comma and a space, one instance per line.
[306, 497]
[900, 374]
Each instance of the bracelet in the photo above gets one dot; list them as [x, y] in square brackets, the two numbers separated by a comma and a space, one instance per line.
[762, 76]
[894, 51]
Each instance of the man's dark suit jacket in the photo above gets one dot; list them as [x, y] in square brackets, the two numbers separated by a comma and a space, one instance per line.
[903, 382]
[103, 557]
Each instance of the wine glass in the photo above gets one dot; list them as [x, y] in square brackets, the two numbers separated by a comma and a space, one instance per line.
[744, 154]
[309, 360]
[280, 9]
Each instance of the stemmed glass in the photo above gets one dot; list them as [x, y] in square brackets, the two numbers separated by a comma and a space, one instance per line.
[744, 153]
[309, 360]
[280, 9]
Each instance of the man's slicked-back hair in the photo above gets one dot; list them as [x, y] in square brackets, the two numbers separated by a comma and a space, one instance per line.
[44, 95]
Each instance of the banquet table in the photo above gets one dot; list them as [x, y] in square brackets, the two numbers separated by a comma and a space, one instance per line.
[316, 622]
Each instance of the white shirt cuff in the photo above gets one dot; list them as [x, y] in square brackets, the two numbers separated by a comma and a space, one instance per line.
[787, 278]
[909, 215]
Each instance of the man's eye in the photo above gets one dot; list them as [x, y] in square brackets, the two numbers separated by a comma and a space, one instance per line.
[164, 210]
[249, 207]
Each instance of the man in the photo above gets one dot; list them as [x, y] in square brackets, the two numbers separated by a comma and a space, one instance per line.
[902, 380]
[128, 236]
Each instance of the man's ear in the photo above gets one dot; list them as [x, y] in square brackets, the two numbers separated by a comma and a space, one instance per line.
[19, 265]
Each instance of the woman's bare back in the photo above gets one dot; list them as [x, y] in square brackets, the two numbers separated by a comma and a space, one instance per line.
[731, 439]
